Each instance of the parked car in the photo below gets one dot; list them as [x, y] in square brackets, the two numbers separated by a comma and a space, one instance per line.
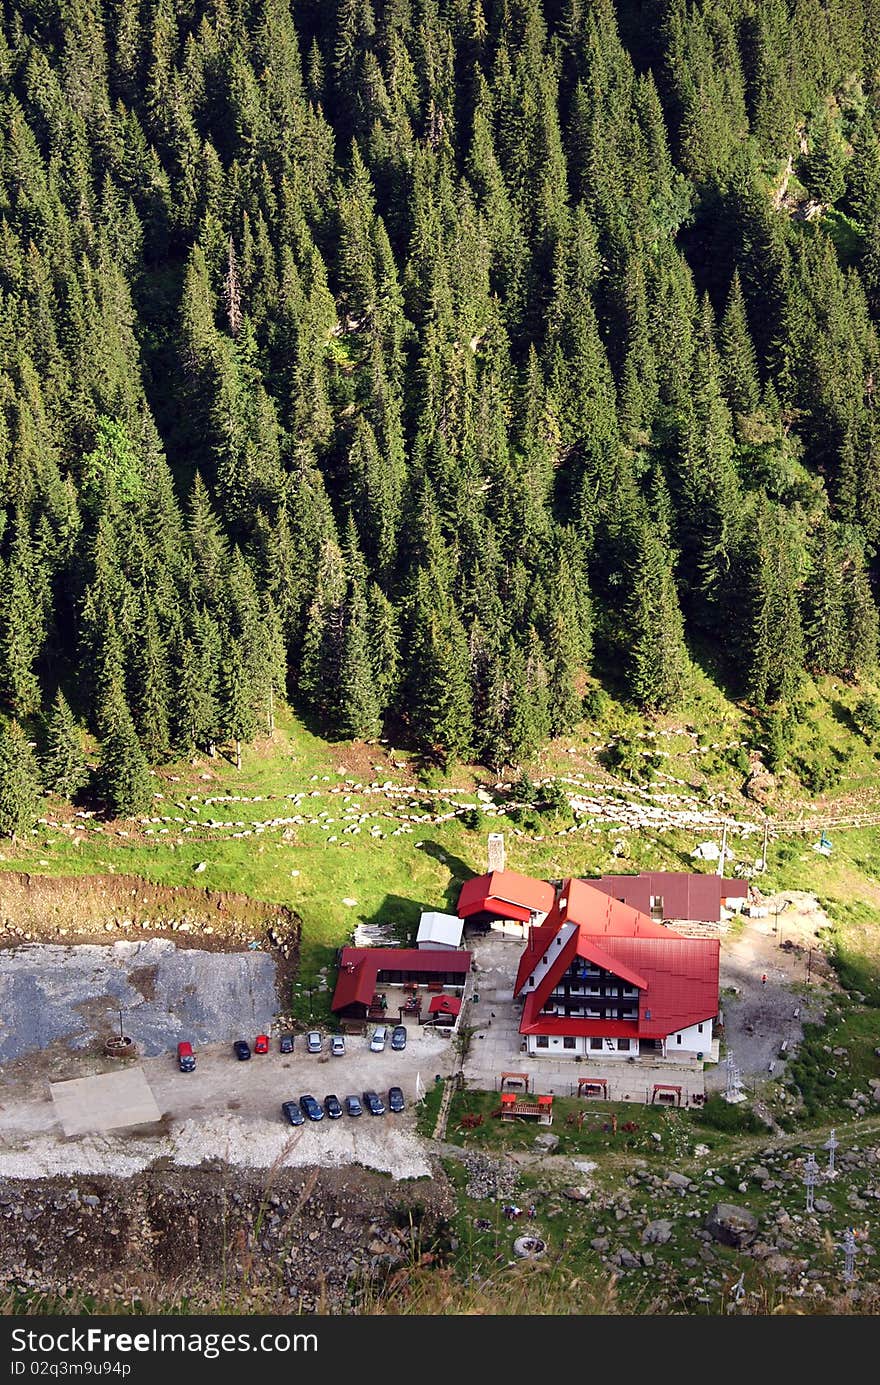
[285, 1043]
[379, 1039]
[310, 1108]
[333, 1107]
[398, 1037]
[337, 1045]
[395, 1099]
[261, 1043]
[353, 1106]
[293, 1112]
[186, 1059]
[314, 1042]
[242, 1049]
[374, 1103]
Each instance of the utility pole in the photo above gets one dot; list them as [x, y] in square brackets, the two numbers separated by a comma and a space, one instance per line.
[723, 857]
[849, 1255]
[811, 1172]
[831, 1144]
[764, 852]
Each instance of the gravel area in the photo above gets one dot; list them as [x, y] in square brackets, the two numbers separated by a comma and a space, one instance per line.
[74, 994]
[226, 1110]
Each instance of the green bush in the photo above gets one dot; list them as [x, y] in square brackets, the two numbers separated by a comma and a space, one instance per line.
[866, 715]
[732, 1119]
[595, 703]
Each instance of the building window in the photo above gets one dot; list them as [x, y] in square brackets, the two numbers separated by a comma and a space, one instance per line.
[623, 1045]
[678, 1038]
[699, 1029]
[595, 1043]
[569, 1042]
[542, 1041]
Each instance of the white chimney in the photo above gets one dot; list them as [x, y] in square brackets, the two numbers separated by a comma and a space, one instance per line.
[496, 851]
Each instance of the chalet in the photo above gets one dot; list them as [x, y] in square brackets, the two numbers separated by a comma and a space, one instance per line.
[674, 894]
[363, 969]
[600, 979]
[502, 898]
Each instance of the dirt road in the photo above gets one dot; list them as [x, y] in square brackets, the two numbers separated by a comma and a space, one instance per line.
[759, 1016]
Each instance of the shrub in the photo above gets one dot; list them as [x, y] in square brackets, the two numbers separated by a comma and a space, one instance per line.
[866, 715]
[595, 703]
[730, 1118]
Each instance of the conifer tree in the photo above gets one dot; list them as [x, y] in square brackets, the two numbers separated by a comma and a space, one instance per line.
[657, 661]
[125, 778]
[19, 782]
[63, 767]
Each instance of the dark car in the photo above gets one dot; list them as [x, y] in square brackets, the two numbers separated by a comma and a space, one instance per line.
[398, 1037]
[374, 1103]
[332, 1107]
[285, 1043]
[395, 1099]
[242, 1049]
[353, 1106]
[186, 1059]
[261, 1043]
[293, 1113]
[310, 1108]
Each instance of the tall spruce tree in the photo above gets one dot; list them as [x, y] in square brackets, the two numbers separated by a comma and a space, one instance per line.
[19, 782]
[63, 766]
[126, 785]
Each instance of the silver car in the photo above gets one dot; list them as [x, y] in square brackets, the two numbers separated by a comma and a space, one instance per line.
[337, 1045]
[314, 1042]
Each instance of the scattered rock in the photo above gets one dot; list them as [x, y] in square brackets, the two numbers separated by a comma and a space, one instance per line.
[731, 1225]
[657, 1233]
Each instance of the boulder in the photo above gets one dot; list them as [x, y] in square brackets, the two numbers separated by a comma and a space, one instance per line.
[731, 1225]
[546, 1143]
[657, 1233]
[678, 1180]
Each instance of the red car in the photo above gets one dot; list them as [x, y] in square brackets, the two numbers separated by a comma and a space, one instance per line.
[261, 1043]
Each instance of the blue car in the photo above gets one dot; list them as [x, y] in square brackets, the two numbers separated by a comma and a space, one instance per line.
[353, 1106]
[374, 1103]
[293, 1113]
[310, 1108]
[242, 1050]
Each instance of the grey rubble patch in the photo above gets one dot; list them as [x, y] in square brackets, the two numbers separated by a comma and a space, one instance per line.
[50, 993]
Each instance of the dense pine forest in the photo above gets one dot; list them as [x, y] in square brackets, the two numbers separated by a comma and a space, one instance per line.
[430, 363]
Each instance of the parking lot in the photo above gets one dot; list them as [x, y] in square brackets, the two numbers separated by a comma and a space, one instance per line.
[227, 1109]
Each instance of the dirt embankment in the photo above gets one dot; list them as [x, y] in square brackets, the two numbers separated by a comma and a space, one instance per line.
[102, 908]
[292, 1239]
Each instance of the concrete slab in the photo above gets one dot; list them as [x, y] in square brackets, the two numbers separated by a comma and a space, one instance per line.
[104, 1103]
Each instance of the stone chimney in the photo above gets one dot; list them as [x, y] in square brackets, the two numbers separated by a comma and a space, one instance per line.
[496, 851]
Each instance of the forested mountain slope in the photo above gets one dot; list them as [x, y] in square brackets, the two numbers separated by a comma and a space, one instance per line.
[418, 359]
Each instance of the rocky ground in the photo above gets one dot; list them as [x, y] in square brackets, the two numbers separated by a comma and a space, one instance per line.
[300, 1239]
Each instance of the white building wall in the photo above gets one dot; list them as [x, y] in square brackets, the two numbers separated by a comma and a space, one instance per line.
[557, 945]
[556, 1048]
[697, 1038]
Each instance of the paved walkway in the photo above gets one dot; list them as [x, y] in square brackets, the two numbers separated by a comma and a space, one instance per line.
[496, 1043]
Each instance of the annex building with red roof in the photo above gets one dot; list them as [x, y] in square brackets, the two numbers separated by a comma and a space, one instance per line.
[362, 969]
[504, 898]
[599, 978]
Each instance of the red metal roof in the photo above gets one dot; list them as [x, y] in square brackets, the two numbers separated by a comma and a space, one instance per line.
[360, 966]
[505, 894]
[686, 894]
[444, 1005]
[677, 977]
